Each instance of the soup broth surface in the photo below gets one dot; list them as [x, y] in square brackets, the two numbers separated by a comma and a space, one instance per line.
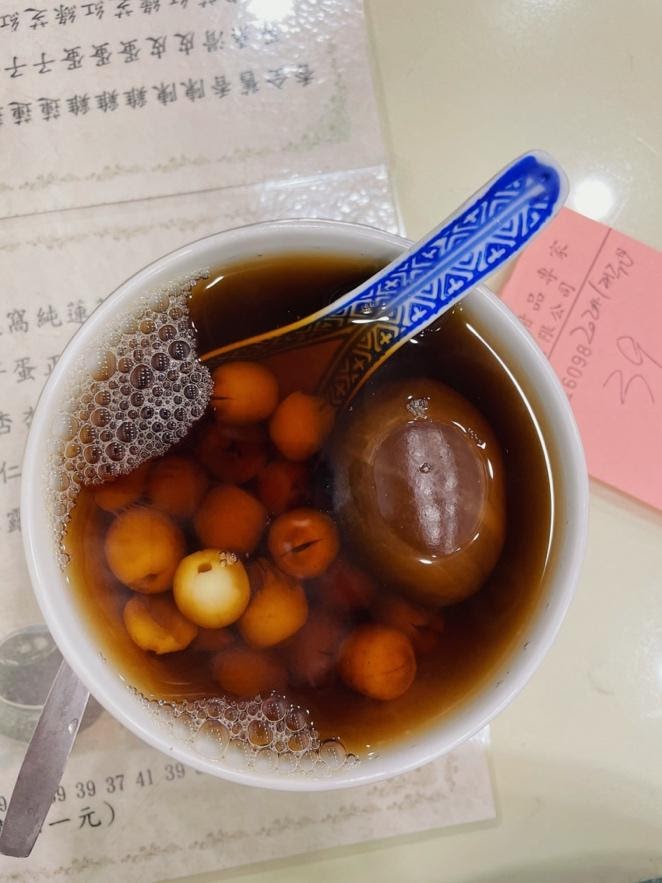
[244, 299]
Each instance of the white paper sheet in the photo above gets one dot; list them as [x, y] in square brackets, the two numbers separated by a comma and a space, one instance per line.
[133, 814]
[86, 199]
[189, 95]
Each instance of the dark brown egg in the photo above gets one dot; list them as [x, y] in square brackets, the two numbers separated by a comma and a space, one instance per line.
[419, 490]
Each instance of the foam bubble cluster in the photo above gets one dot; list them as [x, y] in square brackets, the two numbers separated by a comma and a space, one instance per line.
[142, 395]
[264, 734]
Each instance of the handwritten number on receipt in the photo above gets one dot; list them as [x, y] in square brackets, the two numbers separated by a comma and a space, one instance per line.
[633, 352]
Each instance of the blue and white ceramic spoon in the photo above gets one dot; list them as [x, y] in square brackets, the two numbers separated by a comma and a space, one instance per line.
[372, 321]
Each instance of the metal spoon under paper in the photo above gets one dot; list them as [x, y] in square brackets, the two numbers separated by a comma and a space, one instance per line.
[44, 763]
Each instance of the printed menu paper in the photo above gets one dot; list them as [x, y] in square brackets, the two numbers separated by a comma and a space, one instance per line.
[128, 128]
[592, 299]
[125, 99]
[134, 814]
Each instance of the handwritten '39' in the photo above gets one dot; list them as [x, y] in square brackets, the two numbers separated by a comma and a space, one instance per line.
[636, 355]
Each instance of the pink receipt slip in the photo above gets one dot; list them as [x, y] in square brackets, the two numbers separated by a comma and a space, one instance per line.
[592, 299]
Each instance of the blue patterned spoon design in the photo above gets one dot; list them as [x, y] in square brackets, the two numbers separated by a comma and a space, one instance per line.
[372, 321]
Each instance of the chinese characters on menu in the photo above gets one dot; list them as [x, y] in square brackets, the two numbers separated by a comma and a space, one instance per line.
[47, 106]
[128, 128]
[88, 88]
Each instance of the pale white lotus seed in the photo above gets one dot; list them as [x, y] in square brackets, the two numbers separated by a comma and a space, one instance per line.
[211, 588]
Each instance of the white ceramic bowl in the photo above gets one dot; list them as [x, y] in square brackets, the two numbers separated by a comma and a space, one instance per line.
[507, 338]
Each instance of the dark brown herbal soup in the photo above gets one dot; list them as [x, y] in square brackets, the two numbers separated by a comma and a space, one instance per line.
[303, 594]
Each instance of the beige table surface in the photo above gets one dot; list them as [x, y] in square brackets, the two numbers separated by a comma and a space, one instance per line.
[466, 85]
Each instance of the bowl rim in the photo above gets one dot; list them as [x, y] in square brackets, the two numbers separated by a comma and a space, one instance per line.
[427, 743]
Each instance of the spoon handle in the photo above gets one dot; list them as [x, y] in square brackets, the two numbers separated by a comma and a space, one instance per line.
[414, 291]
[373, 320]
[43, 764]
